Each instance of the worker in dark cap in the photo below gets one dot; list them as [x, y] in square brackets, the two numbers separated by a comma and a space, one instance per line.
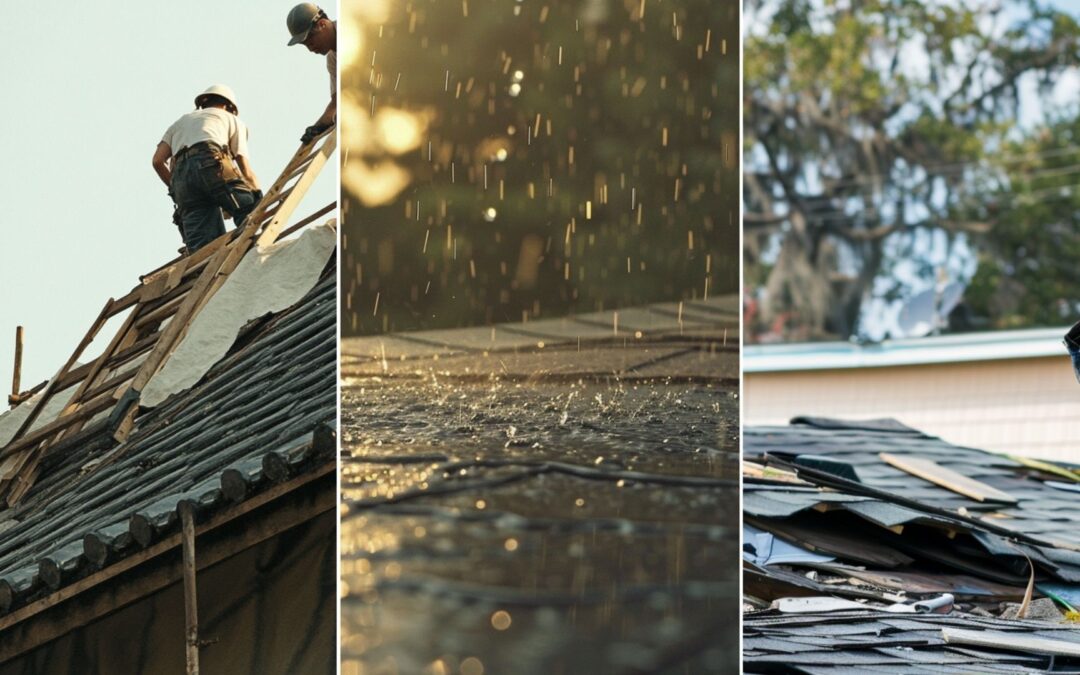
[309, 26]
[203, 160]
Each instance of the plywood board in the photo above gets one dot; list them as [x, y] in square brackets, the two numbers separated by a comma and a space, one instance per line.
[945, 477]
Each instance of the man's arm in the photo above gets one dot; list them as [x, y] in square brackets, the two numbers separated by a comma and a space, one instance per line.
[160, 162]
[245, 170]
[328, 116]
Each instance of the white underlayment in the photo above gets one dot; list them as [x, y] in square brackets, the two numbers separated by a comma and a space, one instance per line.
[267, 280]
[11, 420]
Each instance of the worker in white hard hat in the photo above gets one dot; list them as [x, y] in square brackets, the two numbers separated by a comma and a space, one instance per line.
[309, 26]
[203, 160]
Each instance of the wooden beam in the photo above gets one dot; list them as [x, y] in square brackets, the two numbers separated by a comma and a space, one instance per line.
[224, 261]
[947, 478]
[296, 193]
[250, 523]
[16, 376]
[191, 602]
[190, 262]
[90, 409]
[306, 221]
[106, 312]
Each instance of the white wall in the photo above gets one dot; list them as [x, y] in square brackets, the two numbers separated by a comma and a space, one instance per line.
[1028, 407]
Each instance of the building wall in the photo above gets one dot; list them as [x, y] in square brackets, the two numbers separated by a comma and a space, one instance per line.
[1028, 407]
[270, 610]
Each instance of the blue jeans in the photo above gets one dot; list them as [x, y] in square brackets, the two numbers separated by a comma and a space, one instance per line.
[202, 185]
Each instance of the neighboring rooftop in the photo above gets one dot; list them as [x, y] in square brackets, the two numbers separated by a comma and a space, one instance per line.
[877, 513]
[984, 346]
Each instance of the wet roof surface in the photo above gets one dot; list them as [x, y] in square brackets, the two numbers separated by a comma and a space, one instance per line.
[502, 511]
[259, 408]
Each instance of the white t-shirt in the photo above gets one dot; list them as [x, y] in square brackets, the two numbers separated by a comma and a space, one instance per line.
[208, 124]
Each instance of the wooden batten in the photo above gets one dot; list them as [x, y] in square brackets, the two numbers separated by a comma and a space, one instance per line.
[16, 373]
[176, 291]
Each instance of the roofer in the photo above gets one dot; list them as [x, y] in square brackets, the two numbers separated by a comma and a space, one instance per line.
[1072, 344]
[310, 27]
[209, 169]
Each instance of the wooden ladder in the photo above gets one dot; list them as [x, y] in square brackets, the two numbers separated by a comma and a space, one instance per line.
[176, 292]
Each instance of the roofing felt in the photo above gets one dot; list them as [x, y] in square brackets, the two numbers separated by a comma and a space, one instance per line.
[263, 414]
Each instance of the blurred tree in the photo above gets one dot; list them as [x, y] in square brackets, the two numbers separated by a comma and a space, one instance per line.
[869, 128]
[571, 156]
[1027, 271]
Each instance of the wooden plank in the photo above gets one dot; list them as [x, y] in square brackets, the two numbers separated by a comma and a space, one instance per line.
[191, 601]
[1028, 644]
[192, 261]
[16, 376]
[154, 289]
[270, 231]
[261, 518]
[224, 261]
[1046, 466]
[94, 406]
[51, 387]
[129, 300]
[306, 221]
[161, 313]
[180, 319]
[947, 478]
[112, 384]
[118, 339]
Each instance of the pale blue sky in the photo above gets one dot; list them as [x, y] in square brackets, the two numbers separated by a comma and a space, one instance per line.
[89, 88]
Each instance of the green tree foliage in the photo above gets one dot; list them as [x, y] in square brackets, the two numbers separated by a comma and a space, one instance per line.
[871, 127]
[575, 156]
[1029, 262]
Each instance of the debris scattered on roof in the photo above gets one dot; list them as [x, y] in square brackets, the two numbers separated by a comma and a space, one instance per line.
[887, 519]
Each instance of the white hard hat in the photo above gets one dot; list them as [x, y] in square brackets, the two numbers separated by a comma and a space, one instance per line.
[222, 90]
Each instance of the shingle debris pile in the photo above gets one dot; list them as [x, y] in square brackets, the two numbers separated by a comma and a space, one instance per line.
[848, 526]
[261, 416]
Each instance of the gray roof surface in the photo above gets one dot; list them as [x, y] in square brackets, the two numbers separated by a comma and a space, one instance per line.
[844, 523]
[1042, 524]
[262, 414]
[843, 643]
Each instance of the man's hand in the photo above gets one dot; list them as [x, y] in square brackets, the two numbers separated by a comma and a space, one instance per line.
[311, 132]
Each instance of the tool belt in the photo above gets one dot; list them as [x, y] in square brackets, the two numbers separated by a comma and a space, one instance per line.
[209, 149]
